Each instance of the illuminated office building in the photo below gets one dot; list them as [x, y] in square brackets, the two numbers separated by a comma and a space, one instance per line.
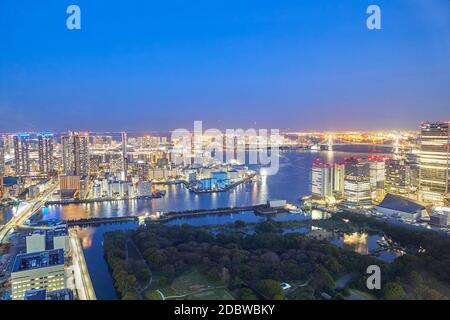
[322, 179]
[124, 156]
[400, 176]
[434, 162]
[38, 270]
[377, 168]
[75, 154]
[338, 181]
[2, 166]
[45, 150]
[357, 186]
[22, 153]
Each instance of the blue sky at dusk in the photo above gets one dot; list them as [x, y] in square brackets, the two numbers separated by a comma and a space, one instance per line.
[159, 65]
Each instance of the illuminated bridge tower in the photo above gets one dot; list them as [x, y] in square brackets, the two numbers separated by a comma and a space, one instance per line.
[396, 147]
[330, 142]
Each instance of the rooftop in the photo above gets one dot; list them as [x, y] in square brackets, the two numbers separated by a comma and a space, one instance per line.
[35, 294]
[37, 260]
[398, 203]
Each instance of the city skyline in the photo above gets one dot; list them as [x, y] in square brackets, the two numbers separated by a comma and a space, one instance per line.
[234, 154]
[258, 64]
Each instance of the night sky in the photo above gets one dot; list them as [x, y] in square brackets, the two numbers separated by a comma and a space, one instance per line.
[161, 64]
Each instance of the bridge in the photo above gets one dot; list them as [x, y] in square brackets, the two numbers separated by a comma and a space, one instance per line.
[25, 210]
[329, 141]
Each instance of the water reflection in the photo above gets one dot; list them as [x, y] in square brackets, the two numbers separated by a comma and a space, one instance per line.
[365, 244]
[319, 215]
[86, 235]
[357, 242]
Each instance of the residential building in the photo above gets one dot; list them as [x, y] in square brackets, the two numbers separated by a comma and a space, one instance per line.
[45, 151]
[22, 154]
[75, 154]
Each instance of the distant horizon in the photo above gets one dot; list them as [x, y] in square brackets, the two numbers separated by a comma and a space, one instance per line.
[287, 130]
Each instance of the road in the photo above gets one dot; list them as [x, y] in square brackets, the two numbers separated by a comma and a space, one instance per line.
[25, 214]
[83, 282]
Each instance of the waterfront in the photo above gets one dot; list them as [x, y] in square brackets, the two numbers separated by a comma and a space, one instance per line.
[291, 182]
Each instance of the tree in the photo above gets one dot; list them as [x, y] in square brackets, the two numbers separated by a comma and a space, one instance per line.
[393, 291]
[130, 295]
[152, 295]
[271, 289]
[247, 294]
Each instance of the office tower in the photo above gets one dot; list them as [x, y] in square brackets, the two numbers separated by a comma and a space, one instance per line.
[36, 270]
[124, 155]
[322, 179]
[2, 157]
[377, 168]
[338, 181]
[75, 155]
[399, 176]
[22, 153]
[2, 165]
[45, 150]
[357, 188]
[434, 183]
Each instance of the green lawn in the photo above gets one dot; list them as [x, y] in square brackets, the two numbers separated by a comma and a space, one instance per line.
[212, 294]
[191, 282]
[359, 295]
[195, 286]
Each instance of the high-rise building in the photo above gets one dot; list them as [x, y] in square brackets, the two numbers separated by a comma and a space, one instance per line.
[22, 153]
[36, 270]
[2, 157]
[434, 182]
[357, 187]
[124, 155]
[377, 167]
[399, 176]
[322, 179]
[45, 150]
[2, 165]
[75, 155]
[338, 181]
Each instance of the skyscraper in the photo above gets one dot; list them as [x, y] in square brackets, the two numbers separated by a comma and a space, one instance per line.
[75, 154]
[434, 183]
[2, 165]
[338, 181]
[22, 153]
[124, 155]
[45, 150]
[357, 188]
[399, 175]
[377, 168]
[322, 179]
